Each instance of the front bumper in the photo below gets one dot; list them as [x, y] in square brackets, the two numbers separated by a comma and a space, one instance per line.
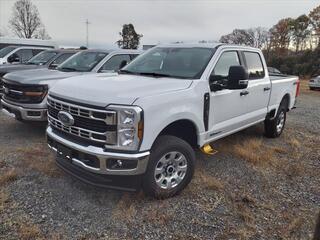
[78, 162]
[21, 113]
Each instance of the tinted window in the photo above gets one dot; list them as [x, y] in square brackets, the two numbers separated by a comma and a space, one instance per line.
[42, 57]
[114, 62]
[6, 50]
[63, 57]
[24, 54]
[36, 51]
[133, 56]
[254, 65]
[172, 61]
[226, 60]
[82, 62]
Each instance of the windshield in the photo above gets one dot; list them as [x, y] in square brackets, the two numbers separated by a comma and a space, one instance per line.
[82, 62]
[171, 62]
[42, 58]
[6, 50]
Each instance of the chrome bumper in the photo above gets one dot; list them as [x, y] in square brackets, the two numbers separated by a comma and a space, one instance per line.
[141, 158]
[23, 113]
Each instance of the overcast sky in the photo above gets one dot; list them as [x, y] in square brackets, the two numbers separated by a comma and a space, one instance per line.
[158, 21]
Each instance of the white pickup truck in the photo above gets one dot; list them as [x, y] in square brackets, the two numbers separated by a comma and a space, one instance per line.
[139, 128]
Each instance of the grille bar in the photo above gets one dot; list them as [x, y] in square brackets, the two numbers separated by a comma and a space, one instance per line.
[109, 117]
[89, 123]
[81, 132]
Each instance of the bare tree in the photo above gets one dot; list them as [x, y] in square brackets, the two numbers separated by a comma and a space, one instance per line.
[314, 16]
[280, 35]
[301, 31]
[26, 22]
[254, 37]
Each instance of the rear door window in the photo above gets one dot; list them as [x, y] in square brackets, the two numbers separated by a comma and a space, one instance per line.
[254, 65]
[24, 54]
[113, 64]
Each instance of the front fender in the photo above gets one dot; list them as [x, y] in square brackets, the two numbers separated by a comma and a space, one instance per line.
[164, 109]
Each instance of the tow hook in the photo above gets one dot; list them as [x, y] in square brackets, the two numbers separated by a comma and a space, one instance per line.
[207, 149]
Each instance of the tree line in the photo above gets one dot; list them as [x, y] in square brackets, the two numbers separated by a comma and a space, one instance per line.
[291, 45]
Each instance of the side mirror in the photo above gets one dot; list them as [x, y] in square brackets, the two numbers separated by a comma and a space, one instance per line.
[14, 58]
[122, 64]
[217, 82]
[53, 66]
[238, 77]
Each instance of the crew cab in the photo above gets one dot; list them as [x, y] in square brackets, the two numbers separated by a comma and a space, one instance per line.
[16, 54]
[46, 59]
[139, 128]
[25, 92]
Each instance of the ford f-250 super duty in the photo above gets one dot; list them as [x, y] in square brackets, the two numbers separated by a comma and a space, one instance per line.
[139, 128]
[25, 92]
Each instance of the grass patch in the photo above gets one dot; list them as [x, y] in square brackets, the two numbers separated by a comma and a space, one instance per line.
[8, 176]
[28, 231]
[40, 159]
[202, 179]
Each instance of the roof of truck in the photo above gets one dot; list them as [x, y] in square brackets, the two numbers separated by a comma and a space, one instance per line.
[203, 45]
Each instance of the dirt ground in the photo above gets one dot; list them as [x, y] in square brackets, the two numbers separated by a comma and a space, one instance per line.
[253, 188]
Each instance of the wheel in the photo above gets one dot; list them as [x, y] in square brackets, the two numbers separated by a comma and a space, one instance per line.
[273, 128]
[170, 167]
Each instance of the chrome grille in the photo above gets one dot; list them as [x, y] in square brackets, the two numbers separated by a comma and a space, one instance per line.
[90, 124]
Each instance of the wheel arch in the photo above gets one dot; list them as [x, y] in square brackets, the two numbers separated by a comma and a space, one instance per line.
[178, 128]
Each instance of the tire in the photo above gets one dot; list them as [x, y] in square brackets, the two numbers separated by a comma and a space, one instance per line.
[171, 163]
[273, 128]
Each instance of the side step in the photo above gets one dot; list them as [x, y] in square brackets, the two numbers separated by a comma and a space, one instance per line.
[207, 149]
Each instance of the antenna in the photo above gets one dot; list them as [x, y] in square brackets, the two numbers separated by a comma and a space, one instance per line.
[87, 32]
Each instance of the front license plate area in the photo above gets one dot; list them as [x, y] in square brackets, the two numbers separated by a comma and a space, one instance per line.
[64, 152]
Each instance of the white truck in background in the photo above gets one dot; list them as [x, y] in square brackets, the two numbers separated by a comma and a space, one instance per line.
[139, 128]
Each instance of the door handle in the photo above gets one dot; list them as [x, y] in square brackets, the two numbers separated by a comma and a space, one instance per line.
[266, 89]
[243, 93]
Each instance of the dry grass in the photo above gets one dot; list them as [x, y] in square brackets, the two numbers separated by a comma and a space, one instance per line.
[28, 231]
[253, 150]
[203, 180]
[158, 214]
[4, 197]
[40, 159]
[125, 209]
[8, 176]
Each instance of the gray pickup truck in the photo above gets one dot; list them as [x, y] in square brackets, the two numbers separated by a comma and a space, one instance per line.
[46, 59]
[25, 92]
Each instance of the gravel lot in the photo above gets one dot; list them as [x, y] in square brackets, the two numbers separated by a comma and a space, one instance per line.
[254, 188]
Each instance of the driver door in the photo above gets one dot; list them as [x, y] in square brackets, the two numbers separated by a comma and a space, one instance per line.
[227, 107]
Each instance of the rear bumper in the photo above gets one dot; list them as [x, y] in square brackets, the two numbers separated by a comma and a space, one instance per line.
[96, 166]
[21, 113]
[314, 85]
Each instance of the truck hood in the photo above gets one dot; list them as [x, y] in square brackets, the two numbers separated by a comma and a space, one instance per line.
[36, 76]
[102, 90]
[6, 68]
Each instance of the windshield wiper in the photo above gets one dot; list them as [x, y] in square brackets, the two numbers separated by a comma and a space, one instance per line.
[126, 71]
[69, 69]
[155, 74]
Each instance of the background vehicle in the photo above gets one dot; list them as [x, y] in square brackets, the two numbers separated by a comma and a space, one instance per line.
[16, 54]
[25, 92]
[26, 42]
[46, 59]
[314, 83]
[273, 70]
[139, 128]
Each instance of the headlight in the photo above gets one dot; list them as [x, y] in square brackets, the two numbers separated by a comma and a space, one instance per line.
[129, 127]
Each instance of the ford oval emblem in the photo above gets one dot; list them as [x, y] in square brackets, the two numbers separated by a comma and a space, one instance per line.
[66, 118]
